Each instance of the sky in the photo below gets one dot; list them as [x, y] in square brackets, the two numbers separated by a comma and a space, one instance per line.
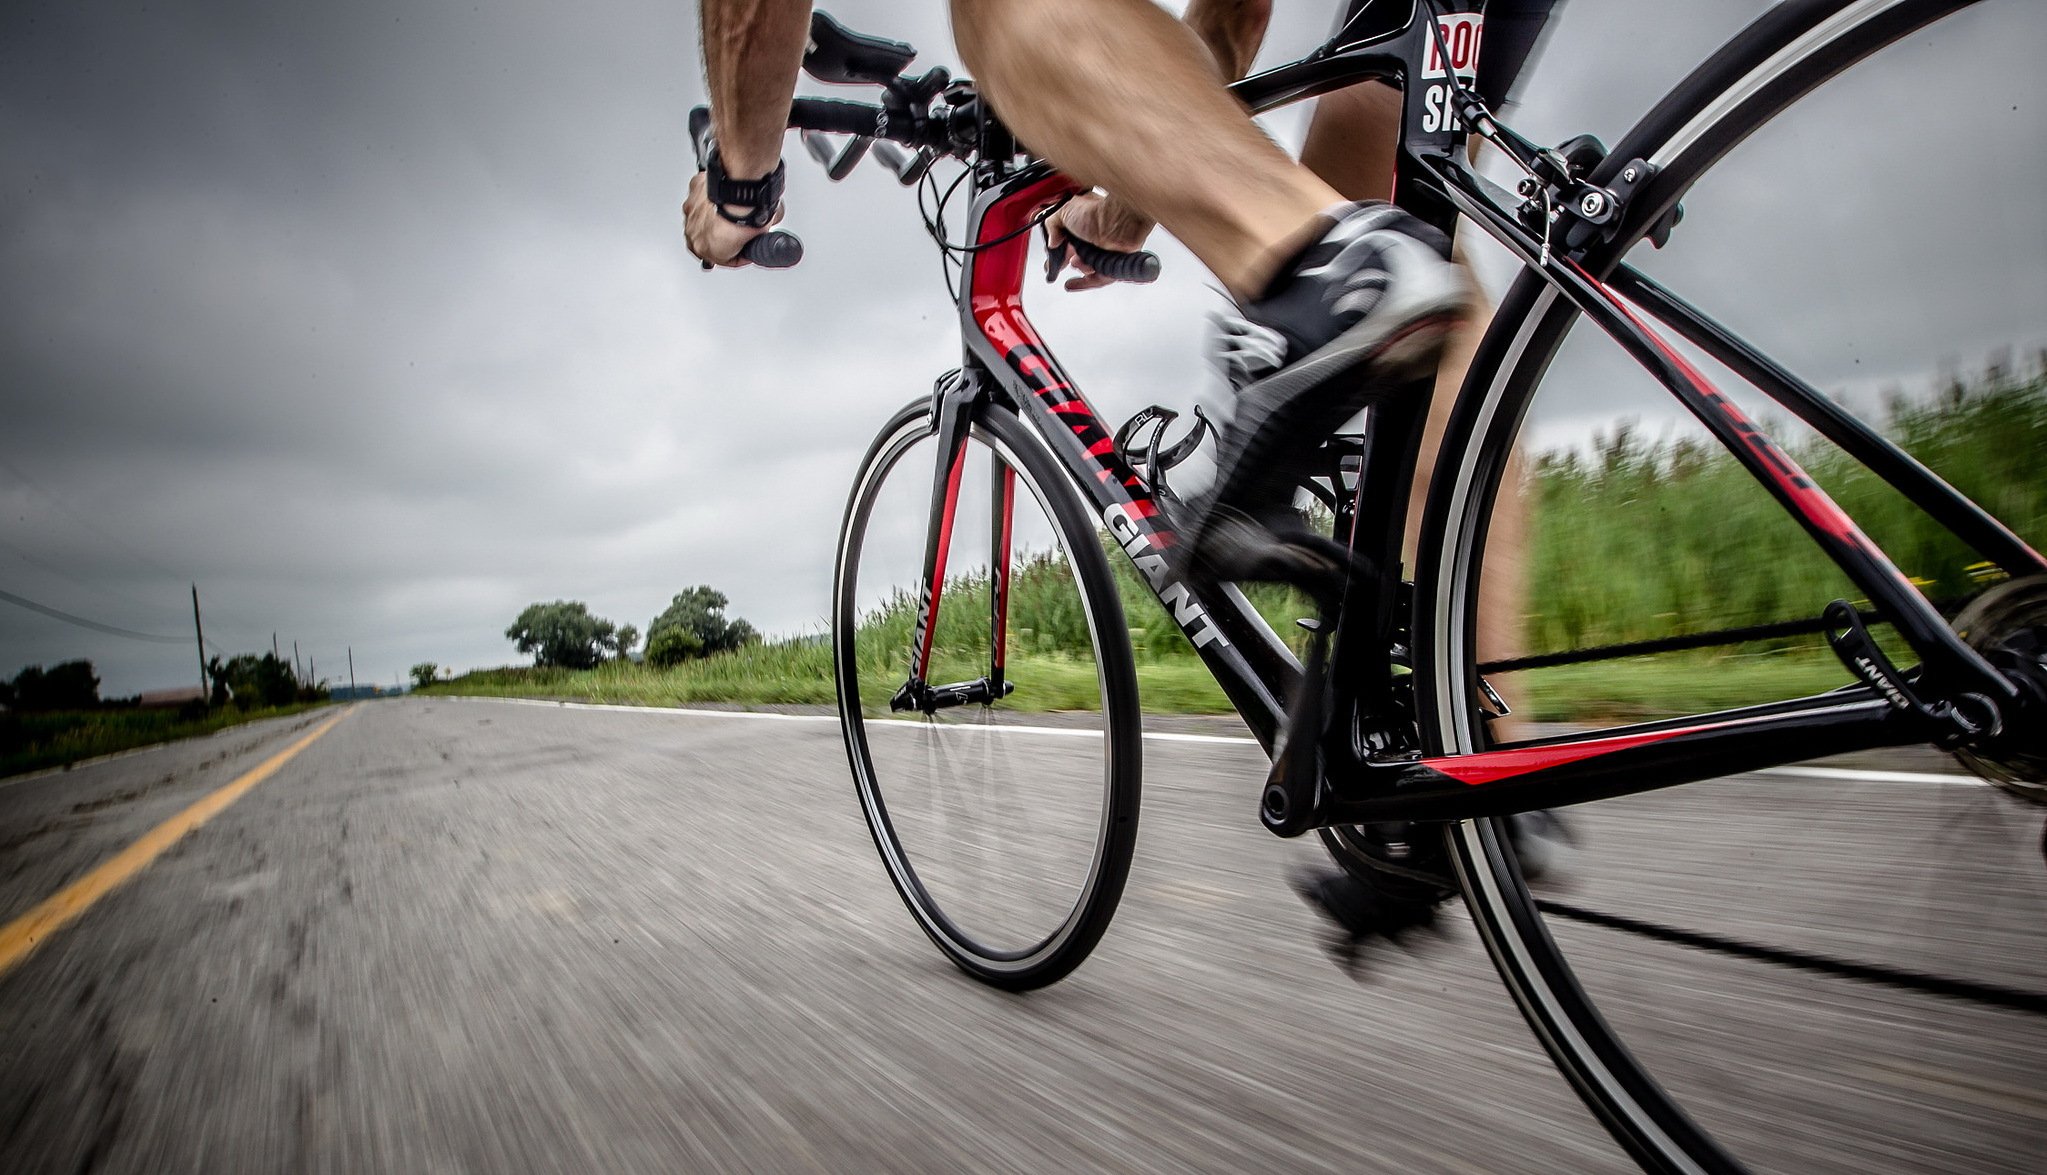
[374, 320]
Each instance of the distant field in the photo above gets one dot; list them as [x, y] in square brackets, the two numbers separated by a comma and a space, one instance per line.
[33, 741]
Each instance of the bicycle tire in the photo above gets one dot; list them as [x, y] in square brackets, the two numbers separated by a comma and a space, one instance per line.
[1045, 958]
[1771, 65]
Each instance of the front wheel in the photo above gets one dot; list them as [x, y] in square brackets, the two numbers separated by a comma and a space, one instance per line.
[1007, 822]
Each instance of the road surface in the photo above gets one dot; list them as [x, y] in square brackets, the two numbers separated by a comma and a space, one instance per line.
[474, 936]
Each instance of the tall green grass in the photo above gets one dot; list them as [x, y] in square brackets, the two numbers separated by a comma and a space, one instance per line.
[1638, 539]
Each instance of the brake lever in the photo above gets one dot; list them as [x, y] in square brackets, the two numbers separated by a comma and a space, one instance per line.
[837, 161]
[908, 168]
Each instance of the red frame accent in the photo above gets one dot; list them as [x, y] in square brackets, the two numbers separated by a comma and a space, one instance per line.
[1483, 767]
[1812, 502]
[997, 294]
[952, 501]
[1000, 568]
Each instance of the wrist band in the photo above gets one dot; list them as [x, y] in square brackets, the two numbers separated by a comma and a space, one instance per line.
[761, 197]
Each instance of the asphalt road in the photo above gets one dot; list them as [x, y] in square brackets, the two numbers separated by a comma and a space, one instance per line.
[473, 936]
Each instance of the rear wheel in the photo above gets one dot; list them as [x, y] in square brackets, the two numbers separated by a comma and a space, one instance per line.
[1707, 925]
[1007, 825]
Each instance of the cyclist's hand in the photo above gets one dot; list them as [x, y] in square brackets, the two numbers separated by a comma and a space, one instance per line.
[1099, 220]
[712, 237]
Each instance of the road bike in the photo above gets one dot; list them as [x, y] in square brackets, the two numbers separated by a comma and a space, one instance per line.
[986, 667]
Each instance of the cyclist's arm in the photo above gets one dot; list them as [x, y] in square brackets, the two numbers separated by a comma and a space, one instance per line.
[753, 50]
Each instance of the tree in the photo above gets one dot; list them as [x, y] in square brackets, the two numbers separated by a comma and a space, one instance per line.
[563, 634]
[628, 636]
[700, 612]
[672, 646]
[423, 674]
[69, 686]
[253, 680]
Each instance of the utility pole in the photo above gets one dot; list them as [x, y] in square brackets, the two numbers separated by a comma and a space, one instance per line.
[351, 673]
[205, 694]
[273, 648]
[295, 663]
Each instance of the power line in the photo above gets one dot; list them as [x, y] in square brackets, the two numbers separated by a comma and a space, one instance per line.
[83, 520]
[82, 622]
[89, 584]
[91, 525]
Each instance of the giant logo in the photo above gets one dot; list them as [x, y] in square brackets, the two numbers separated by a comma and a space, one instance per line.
[1188, 613]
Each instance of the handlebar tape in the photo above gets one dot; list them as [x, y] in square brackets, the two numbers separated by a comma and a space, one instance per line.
[776, 250]
[1139, 267]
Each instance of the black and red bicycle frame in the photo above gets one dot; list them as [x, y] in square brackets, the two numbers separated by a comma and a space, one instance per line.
[1953, 693]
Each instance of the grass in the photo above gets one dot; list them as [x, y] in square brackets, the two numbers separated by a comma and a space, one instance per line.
[1632, 540]
[1637, 540]
[37, 740]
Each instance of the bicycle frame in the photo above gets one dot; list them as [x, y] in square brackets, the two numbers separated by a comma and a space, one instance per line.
[1953, 694]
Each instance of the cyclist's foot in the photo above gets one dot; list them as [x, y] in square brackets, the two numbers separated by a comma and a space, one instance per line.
[1358, 911]
[1542, 843]
[1403, 876]
[1361, 311]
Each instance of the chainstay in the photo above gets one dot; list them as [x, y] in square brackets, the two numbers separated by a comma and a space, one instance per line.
[1697, 640]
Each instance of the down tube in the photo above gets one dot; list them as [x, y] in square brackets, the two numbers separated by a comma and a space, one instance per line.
[1251, 664]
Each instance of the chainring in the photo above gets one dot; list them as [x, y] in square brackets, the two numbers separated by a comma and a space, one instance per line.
[2007, 625]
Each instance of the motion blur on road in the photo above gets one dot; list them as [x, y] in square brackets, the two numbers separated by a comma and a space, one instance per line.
[482, 936]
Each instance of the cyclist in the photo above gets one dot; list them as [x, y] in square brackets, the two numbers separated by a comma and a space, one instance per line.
[1340, 293]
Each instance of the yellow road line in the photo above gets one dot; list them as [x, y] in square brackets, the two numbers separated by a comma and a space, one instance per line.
[29, 931]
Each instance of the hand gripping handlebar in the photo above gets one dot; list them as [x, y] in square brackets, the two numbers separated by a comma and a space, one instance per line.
[769, 250]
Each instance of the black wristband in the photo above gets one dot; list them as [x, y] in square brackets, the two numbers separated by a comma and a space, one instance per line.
[761, 197]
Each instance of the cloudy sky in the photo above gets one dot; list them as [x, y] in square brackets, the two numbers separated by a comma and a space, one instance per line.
[374, 319]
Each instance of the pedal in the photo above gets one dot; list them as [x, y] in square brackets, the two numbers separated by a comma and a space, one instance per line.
[1292, 801]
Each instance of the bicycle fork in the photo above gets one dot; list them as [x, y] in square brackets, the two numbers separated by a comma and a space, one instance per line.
[953, 402]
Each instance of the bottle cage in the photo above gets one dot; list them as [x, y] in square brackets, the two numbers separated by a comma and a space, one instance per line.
[1148, 457]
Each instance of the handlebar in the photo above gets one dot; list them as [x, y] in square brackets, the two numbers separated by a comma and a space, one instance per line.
[1139, 268]
[943, 130]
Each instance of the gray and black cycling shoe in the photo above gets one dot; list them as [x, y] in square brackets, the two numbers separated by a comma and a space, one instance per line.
[1361, 312]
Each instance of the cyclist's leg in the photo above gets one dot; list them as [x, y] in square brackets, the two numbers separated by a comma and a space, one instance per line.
[1352, 142]
[1125, 97]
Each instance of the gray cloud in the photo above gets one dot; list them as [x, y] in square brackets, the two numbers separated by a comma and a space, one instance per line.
[374, 319]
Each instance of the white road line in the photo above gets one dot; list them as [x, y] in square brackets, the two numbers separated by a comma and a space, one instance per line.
[1850, 775]
[1057, 731]
[1919, 778]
